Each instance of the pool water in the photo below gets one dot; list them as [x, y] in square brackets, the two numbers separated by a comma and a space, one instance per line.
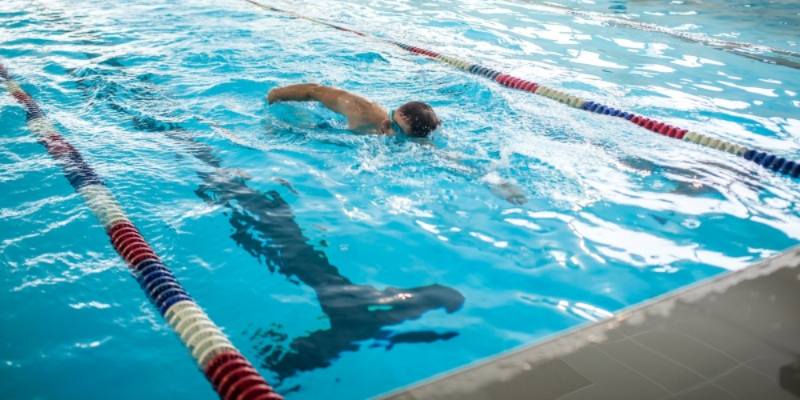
[345, 265]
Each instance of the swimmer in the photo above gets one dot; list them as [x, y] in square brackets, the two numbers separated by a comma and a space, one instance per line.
[415, 119]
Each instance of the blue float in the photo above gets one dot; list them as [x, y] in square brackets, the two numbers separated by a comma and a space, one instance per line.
[172, 300]
[768, 160]
[165, 291]
[160, 272]
[147, 266]
[157, 281]
[32, 112]
[787, 167]
[777, 164]
[795, 172]
[78, 170]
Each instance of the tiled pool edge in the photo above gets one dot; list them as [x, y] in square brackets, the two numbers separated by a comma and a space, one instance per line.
[532, 369]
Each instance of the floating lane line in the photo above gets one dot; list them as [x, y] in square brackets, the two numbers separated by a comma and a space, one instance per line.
[229, 372]
[764, 159]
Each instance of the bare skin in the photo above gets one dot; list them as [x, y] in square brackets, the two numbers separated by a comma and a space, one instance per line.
[362, 114]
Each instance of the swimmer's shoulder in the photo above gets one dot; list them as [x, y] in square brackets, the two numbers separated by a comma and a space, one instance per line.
[367, 117]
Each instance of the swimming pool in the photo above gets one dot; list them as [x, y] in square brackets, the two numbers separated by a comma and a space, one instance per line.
[289, 230]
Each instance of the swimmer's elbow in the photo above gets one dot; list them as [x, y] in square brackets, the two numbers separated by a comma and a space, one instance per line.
[298, 92]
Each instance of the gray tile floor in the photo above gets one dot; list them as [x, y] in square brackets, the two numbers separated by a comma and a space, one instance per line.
[727, 338]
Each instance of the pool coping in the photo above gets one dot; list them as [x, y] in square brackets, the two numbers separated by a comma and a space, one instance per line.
[473, 381]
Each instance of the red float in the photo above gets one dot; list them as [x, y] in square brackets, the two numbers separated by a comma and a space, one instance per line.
[126, 240]
[131, 246]
[226, 367]
[243, 384]
[124, 234]
[254, 391]
[57, 146]
[271, 396]
[141, 255]
[123, 244]
[22, 97]
[118, 226]
[657, 126]
[219, 360]
[672, 131]
[234, 376]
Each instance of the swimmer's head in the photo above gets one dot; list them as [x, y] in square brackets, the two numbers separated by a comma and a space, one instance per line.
[414, 118]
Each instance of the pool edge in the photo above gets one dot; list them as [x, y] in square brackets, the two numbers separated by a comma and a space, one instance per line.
[531, 367]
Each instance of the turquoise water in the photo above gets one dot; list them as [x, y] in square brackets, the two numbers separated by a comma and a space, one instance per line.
[242, 200]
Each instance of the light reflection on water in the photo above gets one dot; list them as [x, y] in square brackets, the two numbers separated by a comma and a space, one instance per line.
[615, 214]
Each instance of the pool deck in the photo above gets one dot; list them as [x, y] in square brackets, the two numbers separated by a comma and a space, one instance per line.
[736, 336]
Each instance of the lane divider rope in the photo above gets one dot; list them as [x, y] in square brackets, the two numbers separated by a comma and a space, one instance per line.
[229, 372]
[764, 159]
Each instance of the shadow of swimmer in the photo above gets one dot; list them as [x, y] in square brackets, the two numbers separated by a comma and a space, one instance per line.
[264, 226]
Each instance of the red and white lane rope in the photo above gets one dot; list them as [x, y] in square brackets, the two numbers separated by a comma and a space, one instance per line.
[231, 375]
[764, 159]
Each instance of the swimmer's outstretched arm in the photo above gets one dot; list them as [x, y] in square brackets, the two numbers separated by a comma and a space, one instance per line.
[356, 108]
[328, 96]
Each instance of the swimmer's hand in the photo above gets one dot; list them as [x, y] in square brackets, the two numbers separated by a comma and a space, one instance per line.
[272, 96]
[509, 192]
